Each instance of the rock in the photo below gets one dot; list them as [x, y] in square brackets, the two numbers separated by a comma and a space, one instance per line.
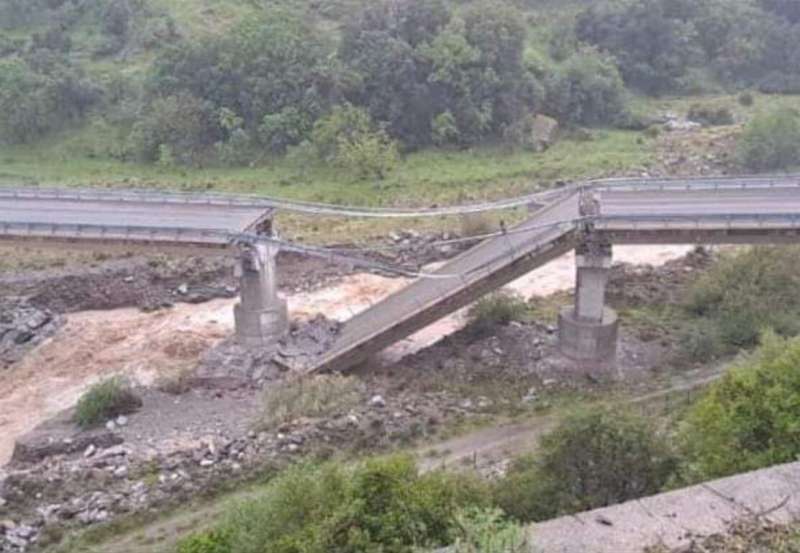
[183, 289]
[60, 437]
[377, 401]
[6, 526]
[111, 426]
[206, 463]
[122, 420]
[121, 472]
[90, 451]
[544, 131]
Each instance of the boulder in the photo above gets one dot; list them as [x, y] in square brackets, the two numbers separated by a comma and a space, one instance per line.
[545, 132]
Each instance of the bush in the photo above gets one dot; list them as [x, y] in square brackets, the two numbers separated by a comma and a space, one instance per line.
[213, 541]
[750, 418]
[593, 459]
[347, 137]
[771, 141]
[710, 116]
[317, 396]
[488, 531]
[746, 292]
[182, 126]
[499, 308]
[586, 90]
[381, 505]
[104, 401]
[702, 343]
[370, 154]
[746, 99]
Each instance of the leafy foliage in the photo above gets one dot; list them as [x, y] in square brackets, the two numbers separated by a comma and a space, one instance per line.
[771, 141]
[272, 72]
[104, 401]
[593, 459]
[488, 531]
[454, 79]
[380, 505]
[747, 292]
[40, 94]
[586, 90]
[753, 411]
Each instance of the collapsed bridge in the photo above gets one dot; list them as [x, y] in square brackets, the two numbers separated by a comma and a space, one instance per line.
[589, 218]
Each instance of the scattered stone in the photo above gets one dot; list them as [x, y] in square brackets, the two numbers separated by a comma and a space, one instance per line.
[121, 421]
[90, 451]
[377, 401]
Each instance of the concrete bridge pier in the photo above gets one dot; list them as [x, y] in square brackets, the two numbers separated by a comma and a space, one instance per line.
[262, 315]
[588, 330]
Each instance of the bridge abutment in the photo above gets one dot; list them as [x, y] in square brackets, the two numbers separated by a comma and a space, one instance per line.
[262, 315]
[588, 331]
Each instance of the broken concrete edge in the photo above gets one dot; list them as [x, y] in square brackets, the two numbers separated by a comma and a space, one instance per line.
[675, 519]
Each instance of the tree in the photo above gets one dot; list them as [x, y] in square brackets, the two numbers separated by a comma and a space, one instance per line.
[749, 419]
[586, 90]
[652, 40]
[274, 72]
[181, 126]
[771, 141]
[594, 458]
[789, 9]
[348, 138]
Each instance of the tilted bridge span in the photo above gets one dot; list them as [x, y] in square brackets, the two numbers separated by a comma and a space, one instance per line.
[589, 218]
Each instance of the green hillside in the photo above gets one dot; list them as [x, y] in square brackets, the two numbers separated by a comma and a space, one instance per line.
[369, 102]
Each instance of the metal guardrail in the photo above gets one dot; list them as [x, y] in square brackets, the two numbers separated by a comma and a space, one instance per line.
[728, 220]
[246, 201]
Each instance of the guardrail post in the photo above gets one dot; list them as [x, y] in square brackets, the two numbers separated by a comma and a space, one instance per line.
[262, 315]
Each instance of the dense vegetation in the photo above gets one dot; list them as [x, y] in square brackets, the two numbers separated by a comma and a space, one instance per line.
[742, 295]
[753, 411]
[380, 505]
[593, 459]
[356, 84]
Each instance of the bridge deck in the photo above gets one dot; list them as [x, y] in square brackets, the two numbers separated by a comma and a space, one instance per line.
[124, 220]
[668, 214]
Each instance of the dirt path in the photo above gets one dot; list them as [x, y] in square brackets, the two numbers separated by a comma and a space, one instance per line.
[143, 346]
[489, 449]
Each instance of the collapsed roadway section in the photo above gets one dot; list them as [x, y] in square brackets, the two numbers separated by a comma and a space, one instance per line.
[589, 218]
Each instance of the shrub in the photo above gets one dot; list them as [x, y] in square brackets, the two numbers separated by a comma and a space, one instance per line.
[593, 459]
[488, 531]
[370, 154]
[746, 292]
[710, 116]
[702, 343]
[182, 125]
[381, 505]
[771, 141]
[499, 308]
[746, 99]
[586, 90]
[213, 541]
[104, 401]
[347, 137]
[750, 418]
[317, 396]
